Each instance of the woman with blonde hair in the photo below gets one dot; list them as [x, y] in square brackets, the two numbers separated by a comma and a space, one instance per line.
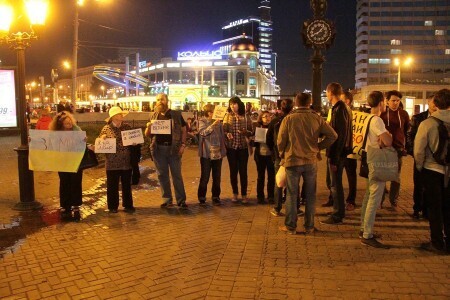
[211, 149]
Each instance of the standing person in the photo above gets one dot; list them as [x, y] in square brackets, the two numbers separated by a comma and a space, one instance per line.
[238, 129]
[286, 106]
[211, 149]
[396, 121]
[341, 122]
[44, 121]
[299, 149]
[70, 184]
[377, 137]
[418, 194]
[435, 174]
[118, 165]
[350, 164]
[264, 161]
[167, 150]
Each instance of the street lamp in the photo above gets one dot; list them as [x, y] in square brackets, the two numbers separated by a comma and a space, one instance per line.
[399, 63]
[19, 41]
[103, 90]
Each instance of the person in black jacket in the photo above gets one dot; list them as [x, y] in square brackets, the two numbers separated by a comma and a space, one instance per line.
[341, 122]
[418, 194]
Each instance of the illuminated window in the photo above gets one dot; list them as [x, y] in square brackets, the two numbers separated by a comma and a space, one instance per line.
[385, 61]
[396, 51]
[428, 23]
[252, 81]
[373, 60]
[439, 32]
[265, 55]
[396, 42]
[240, 78]
[447, 51]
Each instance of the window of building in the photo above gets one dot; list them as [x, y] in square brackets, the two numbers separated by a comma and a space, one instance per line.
[447, 51]
[428, 23]
[373, 60]
[252, 63]
[240, 78]
[396, 51]
[385, 61]
[439, 32]
[396, 42]
[252, 80]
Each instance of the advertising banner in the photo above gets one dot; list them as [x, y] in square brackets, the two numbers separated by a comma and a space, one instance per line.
[8, 115]
[60, 151]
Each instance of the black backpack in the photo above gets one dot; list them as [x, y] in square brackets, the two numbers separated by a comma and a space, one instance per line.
[442, 153]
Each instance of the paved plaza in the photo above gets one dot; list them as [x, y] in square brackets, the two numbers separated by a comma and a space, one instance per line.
[229, 252]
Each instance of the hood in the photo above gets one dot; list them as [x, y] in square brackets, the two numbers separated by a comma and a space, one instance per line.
[443, 115]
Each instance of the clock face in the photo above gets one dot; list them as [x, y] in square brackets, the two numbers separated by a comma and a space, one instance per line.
[318, 32]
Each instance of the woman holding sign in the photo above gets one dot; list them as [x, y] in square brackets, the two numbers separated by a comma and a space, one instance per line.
[238, 129]
[263, 159]
[211, 149]
[118, 165]
[70, 184]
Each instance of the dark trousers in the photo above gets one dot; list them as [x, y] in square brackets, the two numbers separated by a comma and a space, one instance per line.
[337, 190]
[209, 166]
[419, 194]
[438, 205]
[70, 190]
[264, 163]
[350, 169]
[112, 188]
[237, 160]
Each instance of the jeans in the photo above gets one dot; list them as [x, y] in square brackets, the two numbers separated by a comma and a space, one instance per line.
[164, 161]
[112, 188]
[394, 188]
[370, 204]
[350, 169]
[70, 189]
[337, 190]
[208, 165]
[438, 205]
[237, 160]
[263, 163]
[278, 191]
[293, 174]
[419, 194]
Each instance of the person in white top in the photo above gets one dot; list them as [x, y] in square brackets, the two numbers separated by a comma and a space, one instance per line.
[378, 136]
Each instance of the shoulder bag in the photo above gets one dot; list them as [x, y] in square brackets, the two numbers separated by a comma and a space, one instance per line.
[364, 168]
[383, 164]
[89, 160]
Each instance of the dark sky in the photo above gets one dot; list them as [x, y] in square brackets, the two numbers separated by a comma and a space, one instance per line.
[189, 24]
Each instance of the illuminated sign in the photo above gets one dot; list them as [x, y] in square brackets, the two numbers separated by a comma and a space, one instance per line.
[142, 64]
[236, 23]
[199, 55]
[8, 99]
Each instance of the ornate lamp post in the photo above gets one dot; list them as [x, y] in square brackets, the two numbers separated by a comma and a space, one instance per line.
[19, 41]
[398, 62]
[318, 34]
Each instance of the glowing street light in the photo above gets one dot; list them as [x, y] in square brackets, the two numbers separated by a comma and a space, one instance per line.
[398, 62]
[103, 90]
[19, 40]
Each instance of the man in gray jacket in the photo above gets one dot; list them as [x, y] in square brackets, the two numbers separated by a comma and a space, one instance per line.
[299, 148]
[435, 175]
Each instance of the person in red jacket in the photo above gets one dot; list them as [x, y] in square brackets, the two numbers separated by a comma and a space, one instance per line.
[44, 120]
[397, 123]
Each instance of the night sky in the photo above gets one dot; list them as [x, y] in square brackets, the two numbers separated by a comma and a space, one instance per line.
[175, 25]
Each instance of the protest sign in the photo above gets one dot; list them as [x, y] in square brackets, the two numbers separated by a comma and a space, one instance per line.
[260, 135]
[60, 151]
[105, 145]
[219, 112]
[161, 127]
[134, 136]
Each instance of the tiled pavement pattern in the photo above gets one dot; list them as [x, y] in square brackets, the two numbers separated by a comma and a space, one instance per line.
[231, 251]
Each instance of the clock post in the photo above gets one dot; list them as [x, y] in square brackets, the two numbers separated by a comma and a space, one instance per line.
[318, 34]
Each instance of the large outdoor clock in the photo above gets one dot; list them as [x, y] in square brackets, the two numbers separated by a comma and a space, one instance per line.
[318, 33]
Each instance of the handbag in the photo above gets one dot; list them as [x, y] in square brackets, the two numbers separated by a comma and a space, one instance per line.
[364, 168]
[281, 177]
[89, 160]
[383, 164]
[214, 152]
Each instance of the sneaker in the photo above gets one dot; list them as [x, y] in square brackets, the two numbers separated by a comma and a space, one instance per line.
[131, 209]
[276, 213]
[374, 235]
[432, 248]
[350, 207]
[235, 198]
[288, 230]
[202, 202]
[216, 201]
[244, 200]
[183, 205]
[300, 212]
[331, 221]
[310, 230]
[372, 242]
[166, 205]
[113, 211]
[262, 201]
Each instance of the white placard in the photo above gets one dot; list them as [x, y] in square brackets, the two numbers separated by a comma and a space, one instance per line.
[219, 112]
[161, 127]
[260, 135]
[134, 136]
[8, 115]
[105, 145]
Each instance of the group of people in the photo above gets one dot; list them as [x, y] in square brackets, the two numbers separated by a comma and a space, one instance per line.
[293, 141]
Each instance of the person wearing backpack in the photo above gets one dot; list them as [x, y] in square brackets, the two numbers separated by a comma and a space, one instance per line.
[432, 158]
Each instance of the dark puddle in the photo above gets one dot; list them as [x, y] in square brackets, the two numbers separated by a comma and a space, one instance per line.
[14, 234]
